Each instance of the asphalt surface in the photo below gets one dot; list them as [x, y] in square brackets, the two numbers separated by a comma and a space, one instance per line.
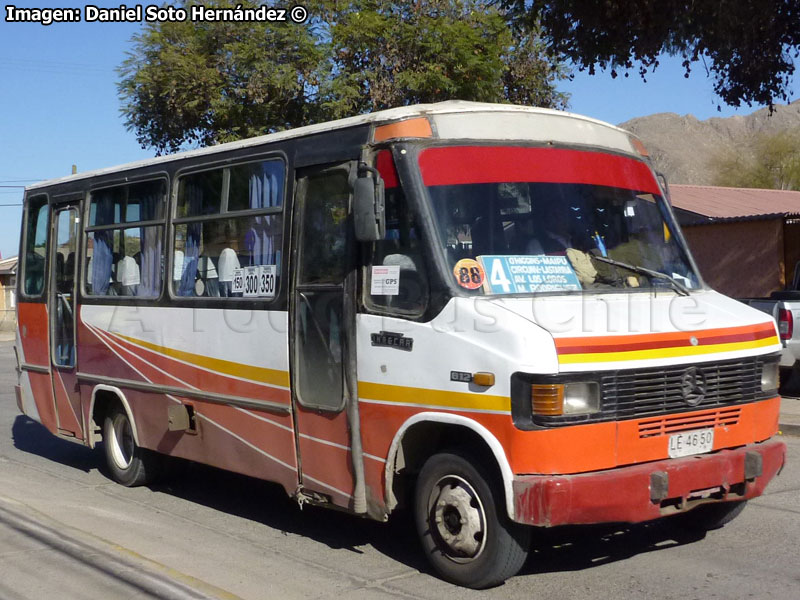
[67, 531]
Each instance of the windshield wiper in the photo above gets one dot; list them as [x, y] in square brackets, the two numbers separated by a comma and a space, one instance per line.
[679, 287]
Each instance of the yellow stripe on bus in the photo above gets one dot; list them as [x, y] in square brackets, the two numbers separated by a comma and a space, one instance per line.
[226, 367]
[664, 352]
[427, 397]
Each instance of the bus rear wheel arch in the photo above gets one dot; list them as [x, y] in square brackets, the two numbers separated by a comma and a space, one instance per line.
[128, 463]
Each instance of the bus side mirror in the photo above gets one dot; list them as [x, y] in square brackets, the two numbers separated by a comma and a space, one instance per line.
[368, 205]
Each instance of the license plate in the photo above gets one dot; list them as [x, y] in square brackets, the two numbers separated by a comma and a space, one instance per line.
[691, 442]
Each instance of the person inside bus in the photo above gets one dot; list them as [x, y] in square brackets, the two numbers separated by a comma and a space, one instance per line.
[551, 232]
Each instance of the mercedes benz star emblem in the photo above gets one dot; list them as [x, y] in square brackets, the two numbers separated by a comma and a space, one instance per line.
[693, 386]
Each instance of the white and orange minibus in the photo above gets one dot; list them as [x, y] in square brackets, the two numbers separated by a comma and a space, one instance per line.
[487, 312]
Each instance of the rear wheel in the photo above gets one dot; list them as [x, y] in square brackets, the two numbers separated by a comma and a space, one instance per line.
[129, 464]
[461, 523]
[712, 516]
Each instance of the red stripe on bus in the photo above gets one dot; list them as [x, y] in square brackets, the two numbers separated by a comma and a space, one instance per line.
[456, 165]
[649, 345]
[664, 340]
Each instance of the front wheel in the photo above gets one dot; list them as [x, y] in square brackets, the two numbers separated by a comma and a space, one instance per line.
[129, 464]
[465, 537]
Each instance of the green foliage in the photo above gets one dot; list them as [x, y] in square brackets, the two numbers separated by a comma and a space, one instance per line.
[204, 83]
[212, 82]
[432, 50]
[747, 45]
[773, 164]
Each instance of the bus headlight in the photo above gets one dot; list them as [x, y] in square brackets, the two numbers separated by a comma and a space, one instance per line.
[770, 373]
[574, 398]
[581, 398]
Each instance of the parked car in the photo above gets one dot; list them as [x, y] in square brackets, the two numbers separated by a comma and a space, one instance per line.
[784, 306]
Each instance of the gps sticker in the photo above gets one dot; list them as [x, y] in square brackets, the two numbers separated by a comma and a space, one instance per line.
[469, 273]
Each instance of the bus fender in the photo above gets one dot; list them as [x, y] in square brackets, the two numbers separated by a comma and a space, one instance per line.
[488, 437]
[92, 437]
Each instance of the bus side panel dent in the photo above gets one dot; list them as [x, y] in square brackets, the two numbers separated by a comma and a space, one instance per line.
[625, 495]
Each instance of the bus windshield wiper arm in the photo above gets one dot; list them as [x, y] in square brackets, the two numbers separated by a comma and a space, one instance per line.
[679, 287]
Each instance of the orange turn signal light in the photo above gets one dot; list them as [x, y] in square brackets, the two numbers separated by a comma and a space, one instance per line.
[485, 379]
[639, 146]
[547, 399]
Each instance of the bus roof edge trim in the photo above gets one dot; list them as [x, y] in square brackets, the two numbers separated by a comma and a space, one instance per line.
[391, 114]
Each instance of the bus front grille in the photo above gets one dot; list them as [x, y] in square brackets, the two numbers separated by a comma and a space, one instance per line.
[637, 393]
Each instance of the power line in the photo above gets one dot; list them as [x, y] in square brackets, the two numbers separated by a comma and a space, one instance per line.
[20, 204]
[57, 67]
[22, 187]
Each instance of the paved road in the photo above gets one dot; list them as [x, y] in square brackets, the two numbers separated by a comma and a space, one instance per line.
[66, 531]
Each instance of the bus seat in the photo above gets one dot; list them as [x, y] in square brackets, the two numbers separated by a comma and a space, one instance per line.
[403, 261]
[128, 276]
[207, 272]
[228, 262]
[487, 238]
[69, 269]
[177, 267]
[59, 272]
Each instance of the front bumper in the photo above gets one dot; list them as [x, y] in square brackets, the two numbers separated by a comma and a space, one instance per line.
[647, 491]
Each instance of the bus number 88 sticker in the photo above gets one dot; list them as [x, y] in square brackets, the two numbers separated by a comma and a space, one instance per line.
[469, 273]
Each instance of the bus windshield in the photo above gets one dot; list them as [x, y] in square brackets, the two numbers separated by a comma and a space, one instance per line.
[527, 220]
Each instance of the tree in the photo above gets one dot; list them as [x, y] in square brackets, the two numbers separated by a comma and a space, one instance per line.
[773, 164]
[390, 54]
[208, 82]
[747, 45]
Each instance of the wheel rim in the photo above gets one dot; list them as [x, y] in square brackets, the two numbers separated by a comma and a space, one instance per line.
[121, 442]
[457, 519]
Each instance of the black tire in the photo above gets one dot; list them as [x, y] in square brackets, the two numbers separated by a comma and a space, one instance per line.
[708, 517]
[462, 523]
[129, 464]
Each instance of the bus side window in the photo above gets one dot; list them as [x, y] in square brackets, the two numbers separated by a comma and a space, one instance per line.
[35, 247]
[123, 247]
[228, 219]
[401, 249]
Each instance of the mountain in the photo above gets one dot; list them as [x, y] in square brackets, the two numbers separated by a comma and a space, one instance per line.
[681, 146]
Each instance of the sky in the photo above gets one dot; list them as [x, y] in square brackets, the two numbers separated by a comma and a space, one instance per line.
[59, 103]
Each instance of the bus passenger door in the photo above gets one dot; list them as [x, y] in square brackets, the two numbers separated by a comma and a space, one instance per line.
[63, 268]
[322, 346]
